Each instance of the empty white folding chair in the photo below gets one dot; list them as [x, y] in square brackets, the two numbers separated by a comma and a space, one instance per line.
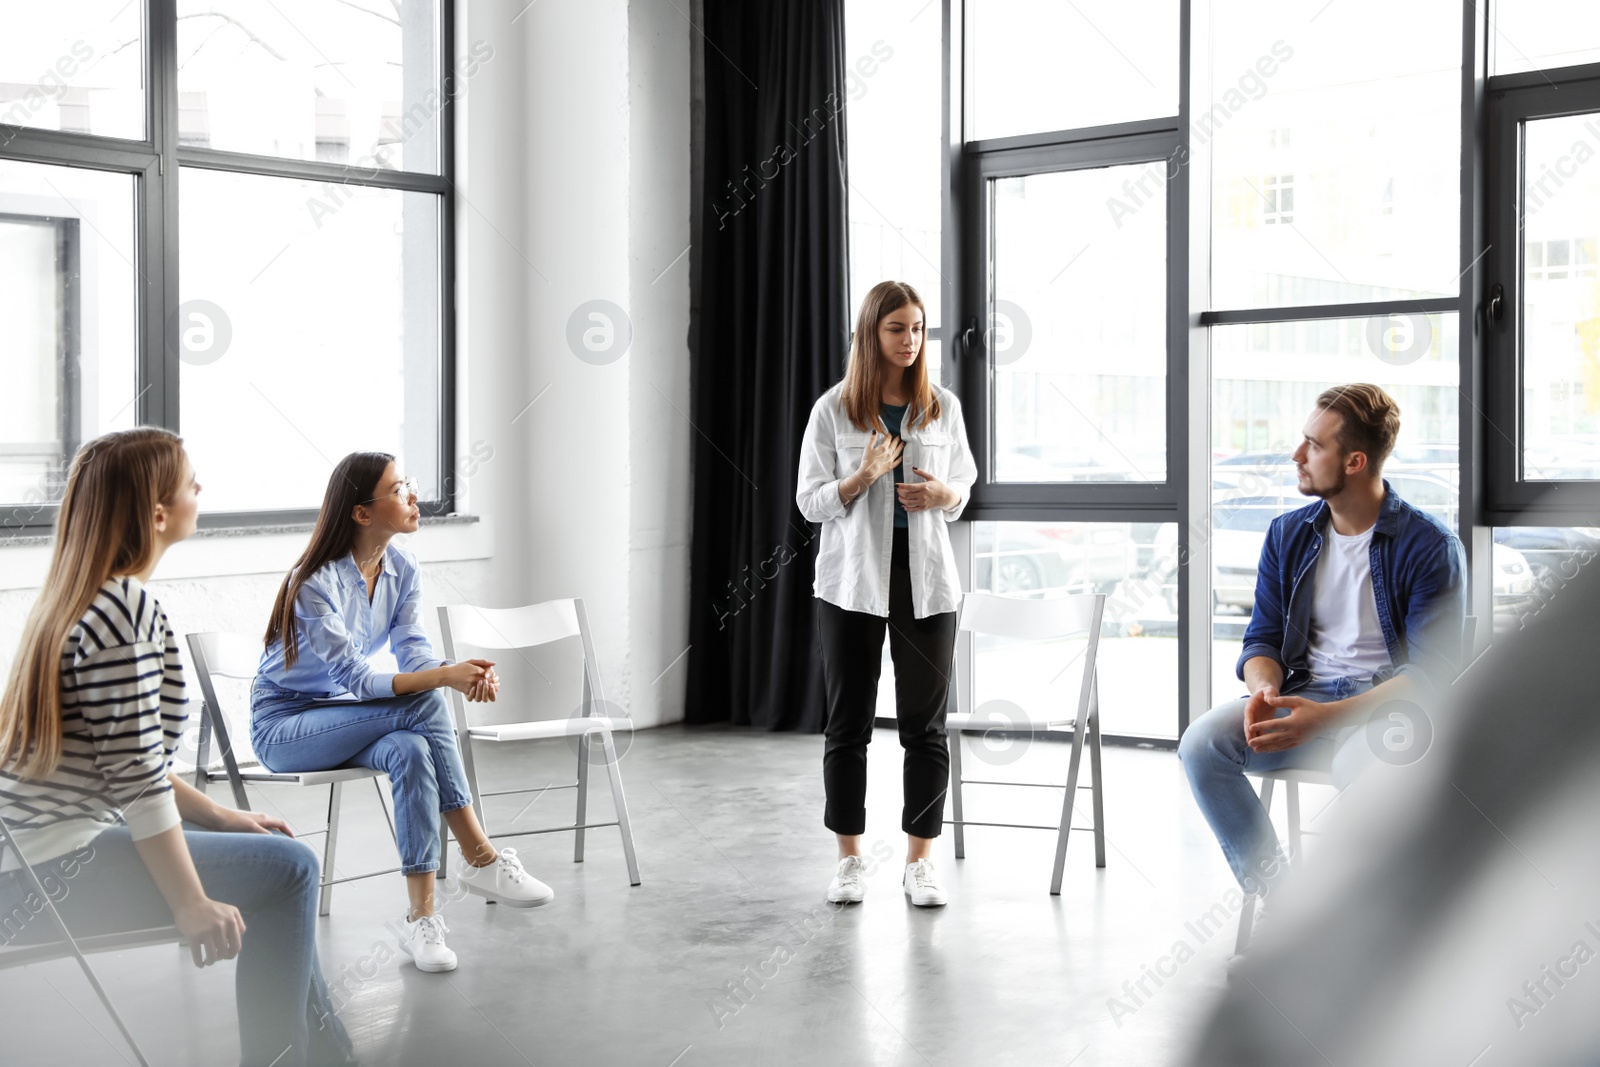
[516, 629]
[232, 655]
[1059, 618]
[80, 948]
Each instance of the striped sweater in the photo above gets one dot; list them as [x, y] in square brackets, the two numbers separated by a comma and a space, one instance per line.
[122, 714]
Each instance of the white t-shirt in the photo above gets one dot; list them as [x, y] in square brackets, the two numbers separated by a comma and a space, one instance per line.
[1346, 637]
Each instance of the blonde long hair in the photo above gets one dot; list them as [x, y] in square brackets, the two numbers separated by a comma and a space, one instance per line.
[863, 379]
[106, 526]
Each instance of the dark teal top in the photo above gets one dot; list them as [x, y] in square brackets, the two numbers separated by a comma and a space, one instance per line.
[893, 415]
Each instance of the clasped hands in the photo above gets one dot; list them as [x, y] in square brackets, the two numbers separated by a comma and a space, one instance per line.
[475, 679]
[881, 457]
[1266, 731]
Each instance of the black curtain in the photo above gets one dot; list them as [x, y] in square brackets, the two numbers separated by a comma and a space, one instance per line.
[768, 336]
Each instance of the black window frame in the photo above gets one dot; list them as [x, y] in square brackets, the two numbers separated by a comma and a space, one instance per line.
[969, 165]
[154, 163]
[1514, 99]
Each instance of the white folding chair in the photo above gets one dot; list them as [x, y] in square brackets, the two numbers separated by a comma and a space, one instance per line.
[1052, 619]
[1294, 777]
[234, 656]
[514, 629]
[80, 948]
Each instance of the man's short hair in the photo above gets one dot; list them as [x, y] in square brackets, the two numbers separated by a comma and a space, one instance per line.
[1369, 420]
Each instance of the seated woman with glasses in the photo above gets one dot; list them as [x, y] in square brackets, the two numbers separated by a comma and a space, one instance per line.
[318, 701]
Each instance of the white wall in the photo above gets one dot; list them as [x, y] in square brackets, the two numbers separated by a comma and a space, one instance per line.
[573, 173]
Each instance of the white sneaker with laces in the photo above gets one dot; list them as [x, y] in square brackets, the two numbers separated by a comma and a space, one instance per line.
[423, 941]
[921, 885]
[847, 887]
[505, 881]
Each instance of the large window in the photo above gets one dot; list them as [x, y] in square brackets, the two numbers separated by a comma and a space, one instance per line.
[268, 276]
[1159, 261]
[894, 73]
[1543, 325]
[1336, 155]
[1044, 65]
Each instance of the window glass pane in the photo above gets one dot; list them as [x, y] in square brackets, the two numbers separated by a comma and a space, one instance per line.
[67, 292]
[1041, 65]
[75, 67]
[1533, 564]
[893, 91]
[309, 328]
[1560, 300]
[343, 83]
[1335, 137]
[1539, 34]
[1265, 382]
[1135, 565]
[1078, 341]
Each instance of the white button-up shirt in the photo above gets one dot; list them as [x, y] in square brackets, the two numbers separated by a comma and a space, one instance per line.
[858, 537]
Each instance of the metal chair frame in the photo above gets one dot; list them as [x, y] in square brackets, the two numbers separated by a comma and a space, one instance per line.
[529, 626]
[1036, 620]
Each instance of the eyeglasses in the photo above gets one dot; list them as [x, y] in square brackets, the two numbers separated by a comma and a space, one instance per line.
[404, 492]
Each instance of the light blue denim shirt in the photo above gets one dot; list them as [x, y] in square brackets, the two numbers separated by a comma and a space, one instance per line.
[338, 631]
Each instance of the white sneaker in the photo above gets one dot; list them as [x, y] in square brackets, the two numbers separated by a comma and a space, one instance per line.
[423, 941]
[505, 881]
[847, 887]
[921, 886]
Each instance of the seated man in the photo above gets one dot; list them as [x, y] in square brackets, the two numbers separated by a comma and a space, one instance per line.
[1360, 601]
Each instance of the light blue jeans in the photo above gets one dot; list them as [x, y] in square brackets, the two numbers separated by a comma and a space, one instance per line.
[1215, 758]
[411, 738]
[286, 1017]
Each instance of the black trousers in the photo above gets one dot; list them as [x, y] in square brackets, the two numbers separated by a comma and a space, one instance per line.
[922, 651]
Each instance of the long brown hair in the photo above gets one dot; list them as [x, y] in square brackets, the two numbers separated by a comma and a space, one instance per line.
[106, 526]
[354, 481]
[863, 379]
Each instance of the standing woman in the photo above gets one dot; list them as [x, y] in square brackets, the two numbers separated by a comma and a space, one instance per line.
[884, 466]
[318, 702]
[92, 712]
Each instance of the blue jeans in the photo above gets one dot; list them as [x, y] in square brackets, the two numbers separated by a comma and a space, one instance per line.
[1215, 758]
[285, 1015]
[412, 738]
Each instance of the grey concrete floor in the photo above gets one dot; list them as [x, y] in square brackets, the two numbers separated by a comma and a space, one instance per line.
[734, 861]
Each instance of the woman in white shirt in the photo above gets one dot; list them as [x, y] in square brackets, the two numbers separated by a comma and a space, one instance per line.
[884, 466]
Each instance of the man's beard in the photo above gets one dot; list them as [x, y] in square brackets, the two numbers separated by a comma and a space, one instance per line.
[1325, 491]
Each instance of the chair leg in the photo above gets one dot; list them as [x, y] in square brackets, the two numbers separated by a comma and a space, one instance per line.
[1293, 793]
[955, 794]
[1247, 914]
[83, 961]
[1097, 790]
[583, 796]
[614, 772]
[329, 846]
[471, 766]
[1067, 804]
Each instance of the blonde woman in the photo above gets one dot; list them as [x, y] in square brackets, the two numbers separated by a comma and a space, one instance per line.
[884, 466]
[92, 712]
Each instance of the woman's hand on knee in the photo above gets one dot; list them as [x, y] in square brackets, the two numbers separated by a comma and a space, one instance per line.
[214, 930]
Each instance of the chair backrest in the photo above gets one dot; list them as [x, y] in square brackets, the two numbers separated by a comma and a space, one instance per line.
[1053, 618]
[1004, 616]
[234, 656]
[529, 626]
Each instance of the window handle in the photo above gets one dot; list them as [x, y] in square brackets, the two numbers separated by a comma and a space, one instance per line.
[1492, 310]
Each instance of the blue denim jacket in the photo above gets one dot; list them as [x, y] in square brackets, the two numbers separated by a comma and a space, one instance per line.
[1418, 581]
